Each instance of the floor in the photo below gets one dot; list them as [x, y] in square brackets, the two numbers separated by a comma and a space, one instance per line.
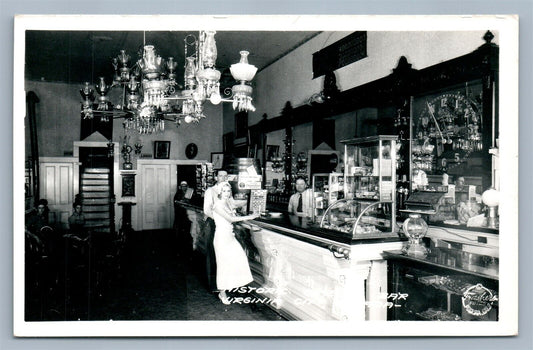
[153, 282]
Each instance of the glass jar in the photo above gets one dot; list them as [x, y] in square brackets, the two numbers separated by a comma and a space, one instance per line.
[415, 228]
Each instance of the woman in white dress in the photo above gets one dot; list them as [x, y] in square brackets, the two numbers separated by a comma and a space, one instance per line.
[232, 264]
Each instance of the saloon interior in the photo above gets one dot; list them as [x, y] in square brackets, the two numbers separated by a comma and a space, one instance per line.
[112, 127]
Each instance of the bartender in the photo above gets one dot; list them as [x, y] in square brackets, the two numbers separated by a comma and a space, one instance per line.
[301, 203]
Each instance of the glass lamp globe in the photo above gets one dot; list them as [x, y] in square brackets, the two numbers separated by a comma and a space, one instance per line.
[415, 228]
[215, 98]
[243, 71]
[491, 198]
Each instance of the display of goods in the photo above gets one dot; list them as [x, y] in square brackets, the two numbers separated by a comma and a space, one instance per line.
[439, 315]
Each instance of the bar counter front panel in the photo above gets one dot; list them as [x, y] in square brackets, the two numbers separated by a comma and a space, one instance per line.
[310, 273]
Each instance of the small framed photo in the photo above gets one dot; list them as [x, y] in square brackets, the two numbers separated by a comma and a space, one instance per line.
[252, 151]
[128, 185]
[272, 151]
[217, 158]
[161, 149]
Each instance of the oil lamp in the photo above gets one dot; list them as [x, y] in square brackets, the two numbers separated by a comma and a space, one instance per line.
[152, 95]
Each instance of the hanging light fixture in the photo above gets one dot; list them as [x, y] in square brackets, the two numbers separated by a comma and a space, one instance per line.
[152, 95]
[88, 98]
[242, 93]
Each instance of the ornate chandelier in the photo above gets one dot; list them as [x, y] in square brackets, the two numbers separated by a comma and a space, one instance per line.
[152, 95]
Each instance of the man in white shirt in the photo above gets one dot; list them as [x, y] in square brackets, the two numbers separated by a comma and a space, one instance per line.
[301, 203]
[210, 196]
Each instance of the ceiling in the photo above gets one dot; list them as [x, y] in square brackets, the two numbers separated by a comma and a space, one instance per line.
[79, 56]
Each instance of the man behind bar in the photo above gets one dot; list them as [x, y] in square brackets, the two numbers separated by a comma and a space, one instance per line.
[301, 203]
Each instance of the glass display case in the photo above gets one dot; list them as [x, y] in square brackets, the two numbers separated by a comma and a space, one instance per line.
[368, 209]
[336, 187]
[446, 285]
[327, 189]
[370, 168]
[361, 218]
[320, 187]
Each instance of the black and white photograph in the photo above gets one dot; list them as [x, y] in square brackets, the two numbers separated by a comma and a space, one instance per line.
[161, 149]
[217, 159]
[395, 233]
[272, 152]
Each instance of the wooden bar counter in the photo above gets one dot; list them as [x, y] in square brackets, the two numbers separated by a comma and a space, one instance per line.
[309, 273]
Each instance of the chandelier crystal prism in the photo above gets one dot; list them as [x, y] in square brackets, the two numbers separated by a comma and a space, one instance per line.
[151, 94]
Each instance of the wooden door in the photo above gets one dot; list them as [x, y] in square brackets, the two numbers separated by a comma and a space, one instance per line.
[157, 197]
[57, 186]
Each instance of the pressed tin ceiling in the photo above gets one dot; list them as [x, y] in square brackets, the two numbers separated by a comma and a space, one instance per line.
[79, 56]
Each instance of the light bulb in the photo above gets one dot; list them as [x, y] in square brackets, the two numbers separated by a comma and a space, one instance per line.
[491, 197]
[215, 98]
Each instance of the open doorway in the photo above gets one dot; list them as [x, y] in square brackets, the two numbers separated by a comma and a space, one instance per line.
[96, 187]
[187, 172]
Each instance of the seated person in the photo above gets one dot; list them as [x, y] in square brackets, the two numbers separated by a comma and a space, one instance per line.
[301, 203]
[78, 235]
[184, 193]
[39, 217]
[37, 226]
[76, 221]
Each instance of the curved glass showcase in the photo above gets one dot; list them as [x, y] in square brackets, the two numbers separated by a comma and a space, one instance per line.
[362, 218]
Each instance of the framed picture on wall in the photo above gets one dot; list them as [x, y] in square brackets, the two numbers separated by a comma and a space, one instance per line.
[252, 151]
[128, 185]
[161, 149]
[217, 158]
[272, 151]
